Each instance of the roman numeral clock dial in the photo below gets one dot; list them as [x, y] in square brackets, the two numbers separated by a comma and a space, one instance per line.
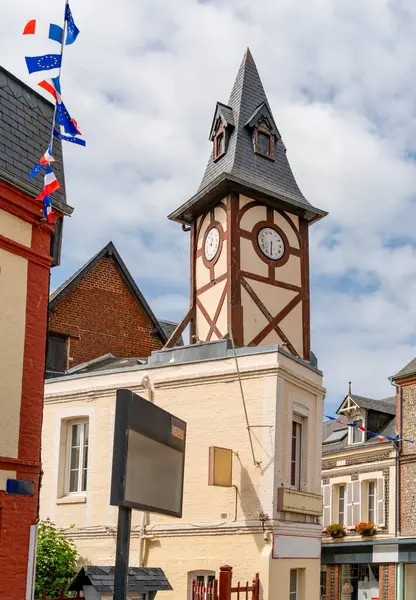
[212, 243]
[271, 243]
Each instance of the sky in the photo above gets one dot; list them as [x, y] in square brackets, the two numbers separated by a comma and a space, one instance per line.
[142, 81]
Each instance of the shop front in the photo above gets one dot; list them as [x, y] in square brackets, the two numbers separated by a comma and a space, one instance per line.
[360, 571]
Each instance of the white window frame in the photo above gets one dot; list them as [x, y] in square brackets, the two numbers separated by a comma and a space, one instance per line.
[375, 500]
[202, 573]
[352, 429]
[298, 452]
[294, 595]
[82, 421]
[344, 512]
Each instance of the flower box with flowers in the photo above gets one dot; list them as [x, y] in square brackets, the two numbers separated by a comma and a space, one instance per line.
[336, 530]
[366, 528]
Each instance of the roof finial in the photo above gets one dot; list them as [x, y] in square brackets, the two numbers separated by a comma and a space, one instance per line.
[248, 56]
[349, 388]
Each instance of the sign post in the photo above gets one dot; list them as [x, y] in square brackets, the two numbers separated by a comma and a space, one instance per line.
[148, 469]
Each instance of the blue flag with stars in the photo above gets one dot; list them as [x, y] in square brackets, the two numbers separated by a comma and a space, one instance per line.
[43, 63]
[72, 29]
[64, 118]
[68, 138]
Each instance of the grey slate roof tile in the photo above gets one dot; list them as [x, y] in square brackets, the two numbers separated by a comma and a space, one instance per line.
[240, 163]
[409, 369]
[25, 126]
[138, 579]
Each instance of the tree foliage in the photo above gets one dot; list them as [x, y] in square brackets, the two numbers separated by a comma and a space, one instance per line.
[56, 560]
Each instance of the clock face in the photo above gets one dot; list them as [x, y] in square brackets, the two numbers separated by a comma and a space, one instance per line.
[271, 243]
[212, 243]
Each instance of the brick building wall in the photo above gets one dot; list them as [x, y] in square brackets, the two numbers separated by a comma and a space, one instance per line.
[19, 218]
[101, 315]
[408, 459]
[387, 582]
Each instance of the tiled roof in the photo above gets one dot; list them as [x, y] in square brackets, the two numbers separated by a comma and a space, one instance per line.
[409, 369]
[25, 128]
[169, 327]
[138, 579]
[386, 405]
[240, 163]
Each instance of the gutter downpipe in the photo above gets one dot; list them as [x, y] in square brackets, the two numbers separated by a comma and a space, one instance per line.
[147, 385]
[397, 533]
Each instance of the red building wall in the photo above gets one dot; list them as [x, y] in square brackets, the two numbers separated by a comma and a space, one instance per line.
[101, 315]
[18, 513]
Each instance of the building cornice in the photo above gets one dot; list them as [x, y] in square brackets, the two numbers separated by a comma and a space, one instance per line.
[190, 380]
[157, 531]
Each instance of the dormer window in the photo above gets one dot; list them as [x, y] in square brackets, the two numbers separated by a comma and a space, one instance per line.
[357, 436]
[219, 140]
[263, 140]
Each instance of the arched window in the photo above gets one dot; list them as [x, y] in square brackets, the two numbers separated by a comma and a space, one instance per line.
[201, 585]
[263, 140]
[219, 140]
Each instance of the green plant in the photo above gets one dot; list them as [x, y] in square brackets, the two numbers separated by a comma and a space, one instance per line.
[56, 560]
[336, 530]
[366, 528]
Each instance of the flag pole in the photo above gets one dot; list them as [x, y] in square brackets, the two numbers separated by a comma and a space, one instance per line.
[60, 70]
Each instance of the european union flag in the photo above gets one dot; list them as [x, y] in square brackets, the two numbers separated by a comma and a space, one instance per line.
[68, 138]
[64, 118]
[43, 63]
[72, 29]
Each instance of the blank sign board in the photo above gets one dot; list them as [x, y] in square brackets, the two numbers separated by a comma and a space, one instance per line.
[148, 457]
[160, 467]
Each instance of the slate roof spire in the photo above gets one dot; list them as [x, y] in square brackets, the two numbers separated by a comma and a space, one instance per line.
[241, 166]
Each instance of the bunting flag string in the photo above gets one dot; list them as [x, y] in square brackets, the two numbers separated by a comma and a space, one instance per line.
[65, 36]
[381, 438]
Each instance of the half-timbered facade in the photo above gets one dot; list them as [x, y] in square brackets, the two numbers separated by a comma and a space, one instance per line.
[249, 230]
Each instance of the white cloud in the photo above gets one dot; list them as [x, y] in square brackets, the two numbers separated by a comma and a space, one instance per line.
[142, 81]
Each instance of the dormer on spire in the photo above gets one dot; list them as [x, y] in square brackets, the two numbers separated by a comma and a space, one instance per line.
[248, 154]
[221, 128]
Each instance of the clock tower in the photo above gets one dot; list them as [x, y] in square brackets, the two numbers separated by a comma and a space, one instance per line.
[249, 225]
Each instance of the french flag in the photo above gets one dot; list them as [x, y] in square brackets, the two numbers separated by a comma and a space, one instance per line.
[53, 87]
[52, 31]
[51, 184]
[46, 159]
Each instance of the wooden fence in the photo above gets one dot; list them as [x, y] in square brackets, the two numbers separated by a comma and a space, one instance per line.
[62, 596]
[223, 589]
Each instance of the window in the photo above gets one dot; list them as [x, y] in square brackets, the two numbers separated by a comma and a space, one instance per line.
[202, 585]
[293, 594]
[359, 581]
[357, 434]
[372, 501]
[341, 504]
[263, 140]
[219, 140]
[57, 356]
[295, 469]
[77, 464]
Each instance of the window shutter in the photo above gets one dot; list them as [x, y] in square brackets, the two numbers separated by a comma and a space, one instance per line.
[356, 499]
[326, 493]
[349, 519]
[380, 502]
[56, 360]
